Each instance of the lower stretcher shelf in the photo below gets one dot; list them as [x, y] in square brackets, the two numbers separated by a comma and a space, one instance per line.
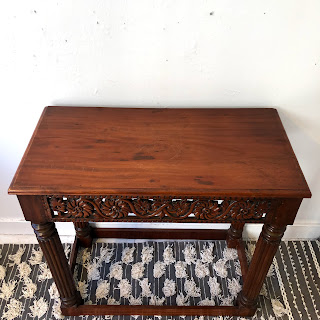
[158, 277]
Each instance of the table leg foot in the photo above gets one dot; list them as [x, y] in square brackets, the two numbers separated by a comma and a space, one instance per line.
[83, 233]
[52, 248]
[266, 248]
[235, 234]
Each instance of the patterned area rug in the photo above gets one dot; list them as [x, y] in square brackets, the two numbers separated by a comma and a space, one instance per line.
[160, 273]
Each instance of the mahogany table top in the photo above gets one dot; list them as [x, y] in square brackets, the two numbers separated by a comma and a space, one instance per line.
[160, 152]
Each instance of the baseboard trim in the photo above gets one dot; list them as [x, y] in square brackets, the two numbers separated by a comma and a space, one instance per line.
[9, 229]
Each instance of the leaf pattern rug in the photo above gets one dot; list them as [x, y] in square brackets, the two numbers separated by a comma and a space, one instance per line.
[161, 273]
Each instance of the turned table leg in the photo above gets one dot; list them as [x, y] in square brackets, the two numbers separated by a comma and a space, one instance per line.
[51, 246]
[266, 248]
[274, 227]
[235, 234]
[83, 233]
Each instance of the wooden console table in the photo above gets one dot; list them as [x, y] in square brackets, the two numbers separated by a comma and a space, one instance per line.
[159, 165]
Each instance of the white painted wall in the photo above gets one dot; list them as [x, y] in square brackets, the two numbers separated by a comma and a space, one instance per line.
[161, 53]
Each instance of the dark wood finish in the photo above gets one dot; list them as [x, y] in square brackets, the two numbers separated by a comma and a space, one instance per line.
[73, 254]
[157, 310]
[198, 152]
[83, 233]
[51, 246]
[235, 234]
[120, 164]
[266, 248]
[242, 259]
[156, 209]
[174, 234]
[33, 208]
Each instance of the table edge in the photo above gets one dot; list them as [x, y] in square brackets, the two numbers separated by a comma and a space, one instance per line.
[173, 193]
[265, 193]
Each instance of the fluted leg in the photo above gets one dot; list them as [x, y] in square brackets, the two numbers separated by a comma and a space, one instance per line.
[83, 233]
[266, 248]
[235, 234]
[51, 246]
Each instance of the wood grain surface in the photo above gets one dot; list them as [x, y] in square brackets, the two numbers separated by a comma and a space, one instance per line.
[130, 151]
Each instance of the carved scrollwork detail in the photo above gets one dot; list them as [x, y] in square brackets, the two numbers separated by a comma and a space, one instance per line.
[58, 205]
[180, 209]
[152, 208]
[79, 208]
[113, 208]
[207, 210]
[246, 209]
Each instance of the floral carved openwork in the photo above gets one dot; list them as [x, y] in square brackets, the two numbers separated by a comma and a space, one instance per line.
[112, 208]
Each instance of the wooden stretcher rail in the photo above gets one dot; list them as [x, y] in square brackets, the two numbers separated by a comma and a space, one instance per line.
[148, 310]
[174, 234]
[157, 310]
[73, 255]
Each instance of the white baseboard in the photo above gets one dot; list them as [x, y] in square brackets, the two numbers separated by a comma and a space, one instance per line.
[21, 231]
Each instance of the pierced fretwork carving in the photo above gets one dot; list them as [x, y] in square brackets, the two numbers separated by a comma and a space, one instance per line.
[113, 208]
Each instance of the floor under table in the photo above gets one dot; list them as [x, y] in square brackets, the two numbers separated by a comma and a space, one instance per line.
[162, 272]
